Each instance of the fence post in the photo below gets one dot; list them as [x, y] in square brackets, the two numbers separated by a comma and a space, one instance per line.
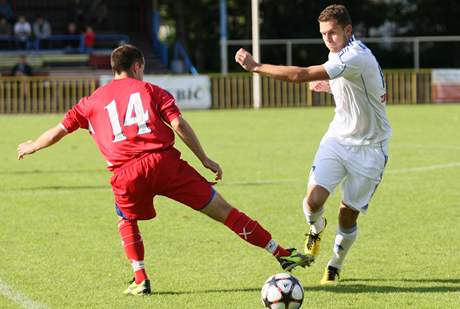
[414, 87]
[289, 53]
[2, 96]
[416, 53]
[309, 96]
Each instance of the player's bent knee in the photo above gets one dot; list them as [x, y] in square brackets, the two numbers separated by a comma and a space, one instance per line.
[305, 205]
[218, 209]
[316, 198]
[312, 204]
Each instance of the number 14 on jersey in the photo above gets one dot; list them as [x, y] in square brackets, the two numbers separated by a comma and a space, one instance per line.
[135, 115]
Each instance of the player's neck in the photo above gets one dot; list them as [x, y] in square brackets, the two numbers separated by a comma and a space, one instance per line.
[123, 75]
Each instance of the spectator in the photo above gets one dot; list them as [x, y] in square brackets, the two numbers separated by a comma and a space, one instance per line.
[22, 68]
[22, 32]
[42, 31]
[6, 11]
[72, 44]
[89, 39]
[5, 27]
[5, 32]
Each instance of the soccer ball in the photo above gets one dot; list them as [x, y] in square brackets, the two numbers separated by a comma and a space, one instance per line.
[282, 291]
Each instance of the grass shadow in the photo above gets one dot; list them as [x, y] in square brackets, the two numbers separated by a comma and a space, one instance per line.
[352, 286]
[56, 188]
[45, 172]
[424, 280]
[383, 289]
[207, 291]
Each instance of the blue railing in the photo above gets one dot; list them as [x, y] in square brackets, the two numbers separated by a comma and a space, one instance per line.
[180, 52]
[37, 44]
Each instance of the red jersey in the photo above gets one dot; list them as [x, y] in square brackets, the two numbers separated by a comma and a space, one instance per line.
[126, 118]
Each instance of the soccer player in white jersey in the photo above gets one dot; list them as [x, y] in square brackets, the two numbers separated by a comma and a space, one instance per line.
[354, 150]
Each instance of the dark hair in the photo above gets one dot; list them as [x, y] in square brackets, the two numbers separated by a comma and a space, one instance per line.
[336, 12]
[124, 56]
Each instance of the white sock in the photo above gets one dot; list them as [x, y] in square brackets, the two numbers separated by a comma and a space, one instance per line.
[271, 246]
[344, 239]
[318, 226]
[315, 219]
[137, 265]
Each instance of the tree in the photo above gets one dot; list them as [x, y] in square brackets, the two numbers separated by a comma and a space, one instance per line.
[197, 26]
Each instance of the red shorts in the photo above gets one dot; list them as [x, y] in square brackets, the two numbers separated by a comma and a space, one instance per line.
[162, 173]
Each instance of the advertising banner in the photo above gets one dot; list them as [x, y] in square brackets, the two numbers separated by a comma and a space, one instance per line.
[190, 92]
[445, 84]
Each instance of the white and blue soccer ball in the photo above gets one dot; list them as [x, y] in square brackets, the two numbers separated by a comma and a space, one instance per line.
[282, 291]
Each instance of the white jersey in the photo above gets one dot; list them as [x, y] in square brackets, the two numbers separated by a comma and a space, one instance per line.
[357, 84]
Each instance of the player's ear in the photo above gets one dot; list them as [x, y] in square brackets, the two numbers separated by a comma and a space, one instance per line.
[348, 30]
[135, 67]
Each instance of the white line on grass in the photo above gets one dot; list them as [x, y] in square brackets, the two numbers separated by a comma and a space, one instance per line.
[260, 182]
[423, 168]
[19, 298]
[395, 171]
[424, 146]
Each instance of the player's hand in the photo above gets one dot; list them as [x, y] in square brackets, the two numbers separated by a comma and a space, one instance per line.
[320, 86]
[26, 148]
[213, 166]
[245, 59]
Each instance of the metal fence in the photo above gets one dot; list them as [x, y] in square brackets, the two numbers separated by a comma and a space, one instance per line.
[415, 41]
[43, 94]
[235, 91]
[57, 94]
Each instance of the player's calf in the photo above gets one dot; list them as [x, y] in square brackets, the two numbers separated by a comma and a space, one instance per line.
[133, 247]
[252, 232]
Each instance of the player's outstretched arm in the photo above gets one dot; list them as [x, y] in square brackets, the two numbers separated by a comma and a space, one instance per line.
[186, 133]
[281, 72]
[48, 138]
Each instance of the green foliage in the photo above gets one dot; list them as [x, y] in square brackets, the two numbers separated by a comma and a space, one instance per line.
[196, 25]
[59, 243]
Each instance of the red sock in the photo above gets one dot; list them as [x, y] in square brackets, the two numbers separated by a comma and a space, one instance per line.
[252, 232]
[133, 246]
[140, 275]
[280, 251]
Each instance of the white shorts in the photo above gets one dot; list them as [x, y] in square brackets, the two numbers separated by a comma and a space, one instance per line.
[359, 167]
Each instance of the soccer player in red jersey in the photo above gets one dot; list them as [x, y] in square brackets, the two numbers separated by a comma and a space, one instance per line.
[130, 121]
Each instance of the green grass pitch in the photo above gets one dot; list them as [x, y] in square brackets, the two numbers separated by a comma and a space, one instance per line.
[59, 245]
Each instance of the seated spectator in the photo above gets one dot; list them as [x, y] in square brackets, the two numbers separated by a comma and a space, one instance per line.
[72, 45]
[22, 68]
[89, 39]
[22, 32]
[42, 31]
[6, 11]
